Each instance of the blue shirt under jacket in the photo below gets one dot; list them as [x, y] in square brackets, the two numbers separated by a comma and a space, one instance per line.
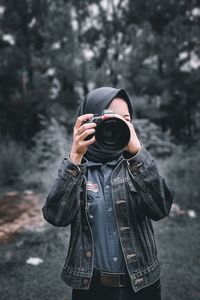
[108, 254]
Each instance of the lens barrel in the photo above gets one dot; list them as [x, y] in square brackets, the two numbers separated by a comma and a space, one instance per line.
[112, 134]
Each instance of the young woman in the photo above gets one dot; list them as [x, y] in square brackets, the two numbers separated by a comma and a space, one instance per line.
[110, 199]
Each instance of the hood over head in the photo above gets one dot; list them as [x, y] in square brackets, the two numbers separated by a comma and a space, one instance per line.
[99, 99]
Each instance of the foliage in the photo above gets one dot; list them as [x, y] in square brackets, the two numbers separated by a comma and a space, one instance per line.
[23, 168]
[51, 53]
[51, 144]
[159, 143]
[13, 162]
[181, 170]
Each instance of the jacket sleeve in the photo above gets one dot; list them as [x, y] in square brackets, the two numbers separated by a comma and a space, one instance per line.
[156, 196]
[63, 201]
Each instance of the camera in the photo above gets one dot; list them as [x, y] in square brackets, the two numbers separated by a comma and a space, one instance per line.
[111, 134]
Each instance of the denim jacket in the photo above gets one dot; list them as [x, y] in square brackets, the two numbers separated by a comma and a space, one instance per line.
[140, 195]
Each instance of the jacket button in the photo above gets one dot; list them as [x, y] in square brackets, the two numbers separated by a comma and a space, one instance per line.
[121, 201]
[88, 254]
[85, 281]
[131, 255]
[124, 228]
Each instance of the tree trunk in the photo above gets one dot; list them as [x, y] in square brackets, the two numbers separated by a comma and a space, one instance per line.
[189, 121]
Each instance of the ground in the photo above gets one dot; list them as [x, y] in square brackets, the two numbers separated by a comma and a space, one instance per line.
[24, 234]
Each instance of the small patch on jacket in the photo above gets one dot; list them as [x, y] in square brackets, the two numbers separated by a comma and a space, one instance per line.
[92, 187]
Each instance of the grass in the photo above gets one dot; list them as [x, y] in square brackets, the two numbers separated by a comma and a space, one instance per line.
[182, 171]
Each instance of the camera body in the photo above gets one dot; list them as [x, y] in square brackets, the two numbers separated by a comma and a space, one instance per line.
[97, 118]
[112, 134]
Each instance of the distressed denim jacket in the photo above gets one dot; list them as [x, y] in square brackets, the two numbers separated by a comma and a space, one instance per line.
[140, 195]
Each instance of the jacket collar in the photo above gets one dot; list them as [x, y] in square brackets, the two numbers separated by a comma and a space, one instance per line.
[109, 163]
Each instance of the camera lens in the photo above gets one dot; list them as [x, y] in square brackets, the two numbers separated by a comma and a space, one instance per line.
[112, 134]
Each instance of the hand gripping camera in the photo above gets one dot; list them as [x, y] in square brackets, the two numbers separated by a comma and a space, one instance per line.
[111, 134]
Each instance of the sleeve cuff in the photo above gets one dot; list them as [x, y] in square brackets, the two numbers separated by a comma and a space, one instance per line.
[127, 155]
[81, 167]
[74, 169]
[140, 160]
[142, 156]
[135, 155]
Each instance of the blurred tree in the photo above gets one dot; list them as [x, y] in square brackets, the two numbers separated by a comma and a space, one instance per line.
[21, 23]
[101, 34]
[164, 60]
[51, 53]
[38, 73]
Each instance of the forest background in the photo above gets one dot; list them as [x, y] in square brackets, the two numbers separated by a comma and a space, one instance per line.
[53, 52]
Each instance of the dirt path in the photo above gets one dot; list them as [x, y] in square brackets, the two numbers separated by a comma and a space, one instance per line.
[31, 250]
[32, 253]
[19, 211]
